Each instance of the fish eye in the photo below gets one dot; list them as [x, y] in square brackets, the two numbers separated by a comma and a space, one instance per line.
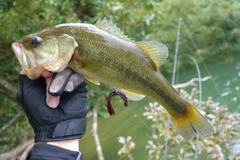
[36, 41]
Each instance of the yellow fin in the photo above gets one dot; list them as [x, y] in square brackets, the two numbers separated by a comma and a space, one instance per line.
[133, 96]
[92, 80]
[111, 28]
[157, 51]
[192, 123]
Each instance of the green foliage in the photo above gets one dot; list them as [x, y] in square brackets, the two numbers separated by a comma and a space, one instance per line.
[17, 134]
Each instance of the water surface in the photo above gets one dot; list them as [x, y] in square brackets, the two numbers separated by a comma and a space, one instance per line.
[224, 86]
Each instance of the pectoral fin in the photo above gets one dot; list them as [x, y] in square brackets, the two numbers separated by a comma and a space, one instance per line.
[133, 96]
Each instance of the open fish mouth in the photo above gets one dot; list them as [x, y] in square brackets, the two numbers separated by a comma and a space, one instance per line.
[27, 61]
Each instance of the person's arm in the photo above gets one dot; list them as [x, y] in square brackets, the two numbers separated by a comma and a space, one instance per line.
[72, 144]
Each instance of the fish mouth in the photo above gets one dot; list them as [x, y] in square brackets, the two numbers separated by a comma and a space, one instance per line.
[27, 61]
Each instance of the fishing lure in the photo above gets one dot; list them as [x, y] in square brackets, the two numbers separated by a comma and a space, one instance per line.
[109, 103]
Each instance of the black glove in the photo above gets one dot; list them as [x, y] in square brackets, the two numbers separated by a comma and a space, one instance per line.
[66, 121]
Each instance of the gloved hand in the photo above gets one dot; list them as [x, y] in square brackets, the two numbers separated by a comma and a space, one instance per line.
[66, 121]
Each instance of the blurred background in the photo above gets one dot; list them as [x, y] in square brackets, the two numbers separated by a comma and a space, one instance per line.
[209, 32]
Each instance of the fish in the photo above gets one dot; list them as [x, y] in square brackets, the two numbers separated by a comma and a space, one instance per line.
[101, 53]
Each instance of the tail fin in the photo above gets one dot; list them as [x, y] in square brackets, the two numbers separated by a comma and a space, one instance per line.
[192, 123]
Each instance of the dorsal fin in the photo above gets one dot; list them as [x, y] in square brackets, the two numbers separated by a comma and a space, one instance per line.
[157, 51]
[111, 28]
[133, 96]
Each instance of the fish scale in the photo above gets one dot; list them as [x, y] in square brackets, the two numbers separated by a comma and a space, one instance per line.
[111, 65]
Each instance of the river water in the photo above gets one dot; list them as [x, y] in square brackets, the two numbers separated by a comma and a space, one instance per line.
[224, 87]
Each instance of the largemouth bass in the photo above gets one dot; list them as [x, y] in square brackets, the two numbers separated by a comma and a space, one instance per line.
[102, 53]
